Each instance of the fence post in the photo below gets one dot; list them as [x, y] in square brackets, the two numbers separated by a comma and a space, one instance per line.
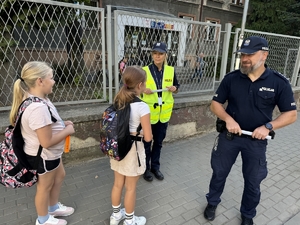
[234, 49]
[238, 55]
[296, 70]
[109, 51]
[226, 43]
[104, 66]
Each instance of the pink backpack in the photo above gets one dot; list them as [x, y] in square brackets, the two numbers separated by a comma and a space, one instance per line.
[15, 170]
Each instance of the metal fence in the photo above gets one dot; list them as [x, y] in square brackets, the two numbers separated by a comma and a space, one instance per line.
[283, 56]
[69, 37]
[135, 34]
[72, 39]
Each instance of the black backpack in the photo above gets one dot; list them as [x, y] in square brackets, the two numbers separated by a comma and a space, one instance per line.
[15, 170]
[115, 138]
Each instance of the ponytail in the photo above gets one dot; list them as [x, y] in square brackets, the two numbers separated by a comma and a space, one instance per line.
[18, 96]
[132, 77]
[31, 71]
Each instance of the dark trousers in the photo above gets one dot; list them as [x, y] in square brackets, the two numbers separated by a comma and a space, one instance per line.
[159, 131]
[198, 73]
[254, 168]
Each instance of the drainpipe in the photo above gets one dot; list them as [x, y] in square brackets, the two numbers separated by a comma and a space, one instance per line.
[238, 55]
[201, 9]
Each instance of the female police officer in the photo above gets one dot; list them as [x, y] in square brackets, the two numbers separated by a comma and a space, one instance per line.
[159, 76]
[251, 93]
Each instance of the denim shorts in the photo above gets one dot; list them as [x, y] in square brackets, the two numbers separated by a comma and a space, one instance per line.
[44, 165]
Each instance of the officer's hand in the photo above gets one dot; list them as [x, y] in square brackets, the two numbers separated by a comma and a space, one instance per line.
[171, 88]
[233, 127]
[261, 133]
[147, 91]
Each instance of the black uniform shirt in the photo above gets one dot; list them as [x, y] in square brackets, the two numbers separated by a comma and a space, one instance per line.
[251, 104]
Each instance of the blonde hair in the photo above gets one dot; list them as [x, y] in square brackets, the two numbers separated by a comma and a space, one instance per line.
[31, 71]
[132, 77]
[166, 58]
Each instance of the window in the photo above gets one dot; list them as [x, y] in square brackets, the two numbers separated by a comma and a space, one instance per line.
[238, 2]
[190, 26]
[210, 31]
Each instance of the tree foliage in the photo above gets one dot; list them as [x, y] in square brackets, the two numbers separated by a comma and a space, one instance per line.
[267, 15]
[291, 18]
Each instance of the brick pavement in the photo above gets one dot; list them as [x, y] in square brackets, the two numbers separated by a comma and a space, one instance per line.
[180, 198]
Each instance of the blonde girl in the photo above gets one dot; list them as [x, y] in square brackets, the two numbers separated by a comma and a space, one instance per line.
[38, 129]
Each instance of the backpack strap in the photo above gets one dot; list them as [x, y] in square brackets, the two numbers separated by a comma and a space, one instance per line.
[27, 102]
[37, 160]
[138, 130]
[17, 131]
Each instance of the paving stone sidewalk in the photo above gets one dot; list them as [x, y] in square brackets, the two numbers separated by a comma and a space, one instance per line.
[180, 198]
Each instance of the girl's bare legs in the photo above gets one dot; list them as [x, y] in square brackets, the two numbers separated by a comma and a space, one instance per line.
[48, 189]
[117, 188]
[43, 189]
[58, 180]
[130, 193]
[130, 184]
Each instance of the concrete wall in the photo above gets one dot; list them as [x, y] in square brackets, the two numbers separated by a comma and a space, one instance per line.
[191, 116]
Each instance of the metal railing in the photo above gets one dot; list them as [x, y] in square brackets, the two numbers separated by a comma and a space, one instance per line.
[135, 34]
[69, 37]
[284, 53]
[72, 39]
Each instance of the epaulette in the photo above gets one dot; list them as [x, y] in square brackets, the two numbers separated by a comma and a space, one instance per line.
[232, 72]
[281, 75]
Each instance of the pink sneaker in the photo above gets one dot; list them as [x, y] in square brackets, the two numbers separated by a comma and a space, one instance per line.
[62, 210]
[52, 221]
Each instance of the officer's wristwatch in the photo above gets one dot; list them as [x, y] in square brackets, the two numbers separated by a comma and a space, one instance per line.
[269, 126]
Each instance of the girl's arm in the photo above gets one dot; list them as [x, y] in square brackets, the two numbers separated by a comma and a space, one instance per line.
[47, 139]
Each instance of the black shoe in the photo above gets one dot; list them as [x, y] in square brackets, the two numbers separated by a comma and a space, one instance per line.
[210, 212]
[246, 221]
[158, 174]
[147, 176]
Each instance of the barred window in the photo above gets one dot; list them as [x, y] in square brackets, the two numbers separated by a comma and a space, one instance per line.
[210, 31]
[238, 2]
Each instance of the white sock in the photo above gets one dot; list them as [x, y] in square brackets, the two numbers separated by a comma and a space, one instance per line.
[129, 217]
[117, 211]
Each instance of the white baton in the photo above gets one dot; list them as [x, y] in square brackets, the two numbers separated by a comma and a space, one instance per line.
[160, 90]
[250, 134]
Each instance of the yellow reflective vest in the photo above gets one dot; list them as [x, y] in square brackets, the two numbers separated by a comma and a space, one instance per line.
[160, 113]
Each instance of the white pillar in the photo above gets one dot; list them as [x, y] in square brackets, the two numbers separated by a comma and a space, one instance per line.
[238, 55]
[226, 42]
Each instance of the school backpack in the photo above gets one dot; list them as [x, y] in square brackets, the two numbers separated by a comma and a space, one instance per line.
[15, 170]
[115, 138]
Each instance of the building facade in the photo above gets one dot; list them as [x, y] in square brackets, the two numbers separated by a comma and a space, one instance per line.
[214, 11]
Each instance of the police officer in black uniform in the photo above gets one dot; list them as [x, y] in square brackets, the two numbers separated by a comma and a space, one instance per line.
[251, 94]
